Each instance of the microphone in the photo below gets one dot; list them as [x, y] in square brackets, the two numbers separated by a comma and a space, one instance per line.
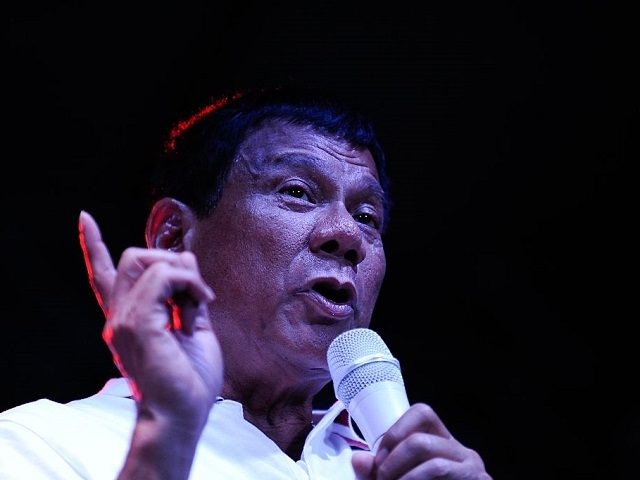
[368, 381]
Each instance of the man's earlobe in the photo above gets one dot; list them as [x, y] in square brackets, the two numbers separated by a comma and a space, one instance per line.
[169, 225]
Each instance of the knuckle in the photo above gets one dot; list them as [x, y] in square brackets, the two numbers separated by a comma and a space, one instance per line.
[425, 412]
[128, 255]
[188, 258]
[424, 409]
[419, 444]
[439, 467]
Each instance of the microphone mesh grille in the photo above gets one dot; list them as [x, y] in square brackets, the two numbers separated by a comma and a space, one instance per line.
[348, 349]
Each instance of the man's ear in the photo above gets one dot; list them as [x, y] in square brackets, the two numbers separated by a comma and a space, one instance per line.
[170, 225]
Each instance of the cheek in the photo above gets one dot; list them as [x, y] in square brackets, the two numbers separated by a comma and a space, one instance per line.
[253, 257]
[372, 272]
[279, 235]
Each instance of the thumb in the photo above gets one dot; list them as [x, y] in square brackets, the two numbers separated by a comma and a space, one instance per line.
[363, 465]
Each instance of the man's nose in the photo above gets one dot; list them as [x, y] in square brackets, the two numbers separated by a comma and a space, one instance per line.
[338, 234]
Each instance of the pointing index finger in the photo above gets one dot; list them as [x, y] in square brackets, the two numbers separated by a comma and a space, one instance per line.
[97, 259]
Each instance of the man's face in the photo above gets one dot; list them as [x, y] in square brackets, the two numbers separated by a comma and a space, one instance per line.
[293, 249]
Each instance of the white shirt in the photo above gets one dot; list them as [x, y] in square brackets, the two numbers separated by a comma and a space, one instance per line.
[89, 438]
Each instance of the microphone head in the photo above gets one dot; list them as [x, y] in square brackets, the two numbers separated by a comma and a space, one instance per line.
[357, 359]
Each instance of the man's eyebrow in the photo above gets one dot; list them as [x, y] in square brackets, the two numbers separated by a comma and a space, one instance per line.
[375, 190]
[371, 188]
[294, 159]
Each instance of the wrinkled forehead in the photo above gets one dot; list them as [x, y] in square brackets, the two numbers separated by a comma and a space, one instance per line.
[275, 140]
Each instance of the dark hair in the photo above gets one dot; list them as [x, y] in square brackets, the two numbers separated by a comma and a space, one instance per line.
[199, 151]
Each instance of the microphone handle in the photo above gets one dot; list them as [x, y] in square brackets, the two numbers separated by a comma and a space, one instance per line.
[376, 407]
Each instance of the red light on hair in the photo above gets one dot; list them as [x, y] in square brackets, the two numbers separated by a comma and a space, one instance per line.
[183, 125]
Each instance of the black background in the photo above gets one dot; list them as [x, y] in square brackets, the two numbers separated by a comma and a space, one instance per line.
[510, 128]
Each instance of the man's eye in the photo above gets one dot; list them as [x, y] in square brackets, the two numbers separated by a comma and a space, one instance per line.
[295, 191]
[366, 219]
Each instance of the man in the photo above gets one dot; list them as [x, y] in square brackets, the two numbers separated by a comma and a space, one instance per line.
[265, 242]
